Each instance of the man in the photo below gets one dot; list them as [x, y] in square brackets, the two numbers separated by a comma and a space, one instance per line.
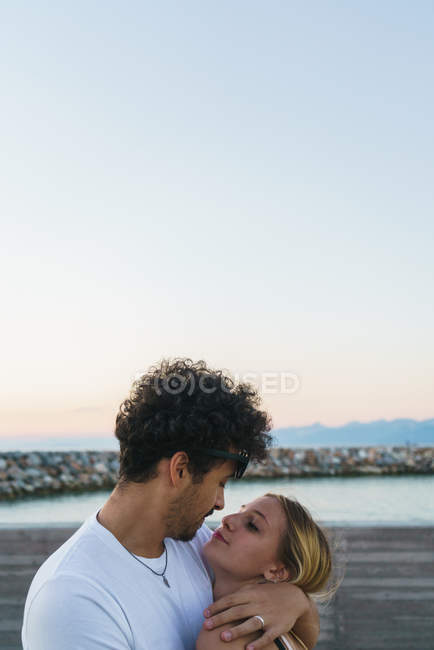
[132, 577]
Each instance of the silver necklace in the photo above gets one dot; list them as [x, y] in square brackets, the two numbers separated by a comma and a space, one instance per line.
[161, 575]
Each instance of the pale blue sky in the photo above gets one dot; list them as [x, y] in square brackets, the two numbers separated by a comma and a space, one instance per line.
[246, 182]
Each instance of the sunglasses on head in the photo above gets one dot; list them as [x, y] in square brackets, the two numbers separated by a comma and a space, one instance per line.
[241, 458]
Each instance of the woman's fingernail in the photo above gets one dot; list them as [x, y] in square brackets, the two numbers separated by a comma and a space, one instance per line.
[227, 636]
[250, 647]
[208, 625]
[207, 613]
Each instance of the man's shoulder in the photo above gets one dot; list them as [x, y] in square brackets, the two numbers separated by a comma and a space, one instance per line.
[73, 562]
[68, 608]
[68, 584]
[74, 589]
[79, 544]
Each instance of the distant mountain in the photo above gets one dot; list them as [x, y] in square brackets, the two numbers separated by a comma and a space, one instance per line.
[380, 432]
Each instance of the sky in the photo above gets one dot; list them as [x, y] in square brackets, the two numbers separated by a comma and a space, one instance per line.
[244, 182]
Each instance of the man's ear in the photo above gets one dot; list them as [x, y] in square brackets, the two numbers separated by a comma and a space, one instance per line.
[277, 573]
[178, 468]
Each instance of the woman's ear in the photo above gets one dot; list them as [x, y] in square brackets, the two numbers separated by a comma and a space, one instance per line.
[277, 574]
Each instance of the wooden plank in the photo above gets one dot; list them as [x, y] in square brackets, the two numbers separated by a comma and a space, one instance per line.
[386, 599]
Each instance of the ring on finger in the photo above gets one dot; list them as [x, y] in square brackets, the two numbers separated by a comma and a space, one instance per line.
[261, 620]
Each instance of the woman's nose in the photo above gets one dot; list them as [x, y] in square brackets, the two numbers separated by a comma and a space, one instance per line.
[228, 521]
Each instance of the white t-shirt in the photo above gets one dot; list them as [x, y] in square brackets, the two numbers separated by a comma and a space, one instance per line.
[91, 594]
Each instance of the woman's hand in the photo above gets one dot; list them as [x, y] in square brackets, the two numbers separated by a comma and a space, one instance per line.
[280, 605]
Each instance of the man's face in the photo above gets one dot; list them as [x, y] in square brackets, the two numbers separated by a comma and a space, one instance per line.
[198, 500]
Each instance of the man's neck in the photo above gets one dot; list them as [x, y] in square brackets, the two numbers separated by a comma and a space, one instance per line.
[136, 514]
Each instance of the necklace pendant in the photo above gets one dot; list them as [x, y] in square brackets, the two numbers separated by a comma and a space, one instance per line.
[166, 582]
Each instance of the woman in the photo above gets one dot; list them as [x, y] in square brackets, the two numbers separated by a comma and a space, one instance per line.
[272, 539]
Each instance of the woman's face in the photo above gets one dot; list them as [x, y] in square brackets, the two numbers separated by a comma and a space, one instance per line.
[246, 544]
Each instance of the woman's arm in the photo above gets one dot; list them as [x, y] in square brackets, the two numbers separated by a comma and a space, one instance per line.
[282, 606]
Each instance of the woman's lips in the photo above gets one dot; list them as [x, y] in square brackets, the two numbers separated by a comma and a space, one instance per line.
[219, 536]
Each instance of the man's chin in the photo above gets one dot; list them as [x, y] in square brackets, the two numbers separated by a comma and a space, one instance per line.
[187, 535]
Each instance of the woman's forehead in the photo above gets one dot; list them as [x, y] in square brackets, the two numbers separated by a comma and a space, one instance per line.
[268, 506]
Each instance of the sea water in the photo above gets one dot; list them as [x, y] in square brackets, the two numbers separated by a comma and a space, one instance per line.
[349, 501]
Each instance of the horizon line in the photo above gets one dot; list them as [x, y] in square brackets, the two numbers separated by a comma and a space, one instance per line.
[107, 434]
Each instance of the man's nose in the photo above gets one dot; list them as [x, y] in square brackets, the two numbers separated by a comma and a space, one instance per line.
[220, 499]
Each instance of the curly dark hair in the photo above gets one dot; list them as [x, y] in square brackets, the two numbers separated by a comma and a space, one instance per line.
[181, 405]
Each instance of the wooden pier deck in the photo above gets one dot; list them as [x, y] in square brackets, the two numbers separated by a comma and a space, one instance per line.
[386, 600]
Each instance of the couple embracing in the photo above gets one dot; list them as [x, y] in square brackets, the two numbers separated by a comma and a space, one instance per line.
[146, 573]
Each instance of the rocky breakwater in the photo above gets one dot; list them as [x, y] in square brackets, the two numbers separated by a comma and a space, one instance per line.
[47, 473]
[39, 473]
[343, 461]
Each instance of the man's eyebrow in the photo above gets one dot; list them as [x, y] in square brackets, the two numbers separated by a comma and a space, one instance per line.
[258, 513]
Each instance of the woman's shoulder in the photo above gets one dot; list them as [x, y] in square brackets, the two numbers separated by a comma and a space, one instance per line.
[210, 640]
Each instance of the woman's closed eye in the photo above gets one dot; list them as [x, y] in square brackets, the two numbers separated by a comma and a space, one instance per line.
[252, 526]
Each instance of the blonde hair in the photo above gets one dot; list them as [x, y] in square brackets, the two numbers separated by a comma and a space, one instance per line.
[304, 548]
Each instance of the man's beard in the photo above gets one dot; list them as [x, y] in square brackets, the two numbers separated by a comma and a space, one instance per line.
[177, 523]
